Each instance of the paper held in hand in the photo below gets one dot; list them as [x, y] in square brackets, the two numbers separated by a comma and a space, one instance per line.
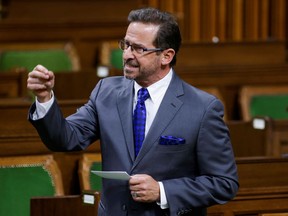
[120, 175]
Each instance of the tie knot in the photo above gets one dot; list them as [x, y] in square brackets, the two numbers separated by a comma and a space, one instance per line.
[143, 94]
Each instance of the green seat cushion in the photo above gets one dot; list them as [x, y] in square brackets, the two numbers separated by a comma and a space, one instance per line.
[274, 106]
[19, 184]
[55, 60]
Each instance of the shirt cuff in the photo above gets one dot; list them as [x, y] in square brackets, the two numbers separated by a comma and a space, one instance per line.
[163, 200]
[42, 108]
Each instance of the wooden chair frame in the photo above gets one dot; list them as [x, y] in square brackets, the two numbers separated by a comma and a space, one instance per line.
[85, 164]
[105, 52]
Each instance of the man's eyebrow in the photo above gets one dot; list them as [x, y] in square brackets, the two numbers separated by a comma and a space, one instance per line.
[134, 44]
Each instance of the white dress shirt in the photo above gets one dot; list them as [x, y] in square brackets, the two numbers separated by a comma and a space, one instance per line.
[156, 92]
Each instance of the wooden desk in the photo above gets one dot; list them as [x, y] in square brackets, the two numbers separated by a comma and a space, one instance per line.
[63, 206]
[68, 85]
[75, 85]
[251, 206]
[73, 205]
[14, 112]
[13, 84]
[280, 138]
[248, 141]
[263, 188]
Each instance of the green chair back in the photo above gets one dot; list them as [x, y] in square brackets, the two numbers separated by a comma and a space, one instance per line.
[95, 181]
[55, 60]
[273, 106]
[19, 182]
[116, 58]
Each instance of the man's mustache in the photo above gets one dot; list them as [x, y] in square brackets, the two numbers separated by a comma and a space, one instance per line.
[131, 63]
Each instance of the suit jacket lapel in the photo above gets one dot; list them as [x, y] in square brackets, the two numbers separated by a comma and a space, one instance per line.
[167, 110]
[124, 104]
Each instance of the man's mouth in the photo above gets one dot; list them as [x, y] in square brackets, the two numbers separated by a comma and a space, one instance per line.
[130, 64]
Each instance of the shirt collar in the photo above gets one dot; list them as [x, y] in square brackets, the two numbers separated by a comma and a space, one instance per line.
[156, 89]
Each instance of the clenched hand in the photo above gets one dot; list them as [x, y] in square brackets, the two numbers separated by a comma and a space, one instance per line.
[41, 82]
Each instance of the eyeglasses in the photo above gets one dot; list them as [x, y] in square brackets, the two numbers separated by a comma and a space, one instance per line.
[124, 45]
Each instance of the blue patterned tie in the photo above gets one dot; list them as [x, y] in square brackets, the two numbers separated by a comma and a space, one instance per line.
[139, 119]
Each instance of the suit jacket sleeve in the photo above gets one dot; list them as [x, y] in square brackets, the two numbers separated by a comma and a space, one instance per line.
[64, 134]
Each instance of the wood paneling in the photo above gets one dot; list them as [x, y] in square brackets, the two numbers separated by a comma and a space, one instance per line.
[89, 23]
[238, 20]
[60, 11]
[233, 53]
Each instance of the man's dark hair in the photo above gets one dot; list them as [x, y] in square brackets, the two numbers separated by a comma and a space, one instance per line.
[168, 35]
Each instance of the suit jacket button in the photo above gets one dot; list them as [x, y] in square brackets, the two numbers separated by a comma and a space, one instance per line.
[124, 207]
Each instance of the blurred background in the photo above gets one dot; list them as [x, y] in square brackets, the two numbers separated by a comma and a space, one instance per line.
[234, 49]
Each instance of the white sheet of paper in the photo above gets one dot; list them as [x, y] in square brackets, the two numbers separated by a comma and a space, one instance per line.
[120, 175]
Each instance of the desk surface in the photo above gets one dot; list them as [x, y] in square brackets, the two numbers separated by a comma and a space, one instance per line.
[63, 206]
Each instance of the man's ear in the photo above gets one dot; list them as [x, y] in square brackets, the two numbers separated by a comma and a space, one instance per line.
[167, 56]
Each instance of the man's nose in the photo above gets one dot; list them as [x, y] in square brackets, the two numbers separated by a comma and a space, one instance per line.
[128, 53]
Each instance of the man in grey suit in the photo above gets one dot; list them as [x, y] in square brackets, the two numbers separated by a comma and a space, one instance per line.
[185, 163]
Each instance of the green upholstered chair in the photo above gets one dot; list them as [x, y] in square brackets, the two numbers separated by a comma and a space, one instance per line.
[88, 180]
[24, 177]
[56, 58]
[111, 55]
[270, 101]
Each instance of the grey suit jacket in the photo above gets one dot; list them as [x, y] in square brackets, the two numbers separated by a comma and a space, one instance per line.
[196, 173]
